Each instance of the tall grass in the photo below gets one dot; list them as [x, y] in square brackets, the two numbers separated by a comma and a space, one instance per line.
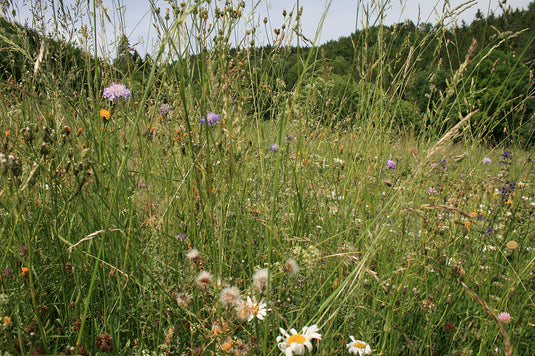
[107, 223]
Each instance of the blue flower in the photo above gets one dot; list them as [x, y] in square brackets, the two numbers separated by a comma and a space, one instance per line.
[211, 119]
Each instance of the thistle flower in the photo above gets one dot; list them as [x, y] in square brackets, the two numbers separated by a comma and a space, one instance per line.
[211, 119]
[294, 342]
[358, 347]
[260, 280]
[183, 299]
[116, 90]
[193, 255]
[291, 267]
[204, 279]
[390, 164]
[230, 296]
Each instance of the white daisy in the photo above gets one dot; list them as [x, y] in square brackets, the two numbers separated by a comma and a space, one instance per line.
[250, 308]
[358, 347]
[295, 343]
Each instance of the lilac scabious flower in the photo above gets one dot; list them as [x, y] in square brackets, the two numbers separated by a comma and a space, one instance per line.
[211, 119]
[116, 90]
[274, 147]
[390, 164]
[486, 160]
[165, 109]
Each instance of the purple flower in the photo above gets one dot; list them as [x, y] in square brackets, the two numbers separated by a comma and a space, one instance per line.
[116, 90]
[6, 273]
[165, 109]
[486, 160]
[432, 190]
[488, 231]
[390, 164]
[24, 250]
[181, 237]
[141, 185]
[211, 119]
[274, 147]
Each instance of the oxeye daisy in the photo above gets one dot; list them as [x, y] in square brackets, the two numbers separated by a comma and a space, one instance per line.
[358, 347]
[250, 308]
[294, 343]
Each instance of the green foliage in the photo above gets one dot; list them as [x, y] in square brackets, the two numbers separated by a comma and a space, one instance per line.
[113, 212]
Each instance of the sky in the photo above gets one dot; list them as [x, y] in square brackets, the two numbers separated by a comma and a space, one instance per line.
[341, 18]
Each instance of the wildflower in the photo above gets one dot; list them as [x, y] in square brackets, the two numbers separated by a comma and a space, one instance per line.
[183, 299]
[505, 317]
[488, 231]
[512, 245]
[295, 343]
[274, 147]
[105, 114]
[181, 237]
[6, 321]
[291, 267]
[241, 349]
[230, 296]
[216, 329]
[204, 279]
[6, 273]
[390, 164]
[432, 190]
[24, 251]
[104, 342]
[449, 326]
[486, 160]
[165, 109]
[467, 225]
[25, 270]
[289, 138]
[141, 185]
[358, 347]
[116, 90]
[250, 308]
[260, 280]
[227, 345]
[193, 255]
[211, 119]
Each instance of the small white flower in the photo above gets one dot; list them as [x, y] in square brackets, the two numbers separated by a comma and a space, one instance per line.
[294, 343]
[358, 347]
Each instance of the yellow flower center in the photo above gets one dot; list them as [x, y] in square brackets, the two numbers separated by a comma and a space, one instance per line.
[359, 345]
[297, 338]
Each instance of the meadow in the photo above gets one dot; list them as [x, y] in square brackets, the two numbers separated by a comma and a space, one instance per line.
[197, 206]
